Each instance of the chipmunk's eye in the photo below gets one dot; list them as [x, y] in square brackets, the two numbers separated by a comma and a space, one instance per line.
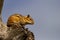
[30, 19]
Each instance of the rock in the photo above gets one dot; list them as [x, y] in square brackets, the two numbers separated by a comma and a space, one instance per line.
[3, 31]
[15, 34]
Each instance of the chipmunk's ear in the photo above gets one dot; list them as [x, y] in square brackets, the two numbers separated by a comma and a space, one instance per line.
[28, 15]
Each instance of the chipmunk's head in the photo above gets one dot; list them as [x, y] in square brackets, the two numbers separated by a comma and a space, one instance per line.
[28, 20]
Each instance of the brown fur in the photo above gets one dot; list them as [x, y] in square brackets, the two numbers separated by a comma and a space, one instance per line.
[19, 19]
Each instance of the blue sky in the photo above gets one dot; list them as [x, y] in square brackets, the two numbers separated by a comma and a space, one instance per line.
[46, 14]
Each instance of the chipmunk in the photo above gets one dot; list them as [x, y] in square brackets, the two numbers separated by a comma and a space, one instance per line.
[19, 19]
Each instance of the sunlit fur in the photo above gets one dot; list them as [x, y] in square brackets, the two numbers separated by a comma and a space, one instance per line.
[18, 18]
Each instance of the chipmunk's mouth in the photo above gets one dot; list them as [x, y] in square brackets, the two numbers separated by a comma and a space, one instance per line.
[31, 23]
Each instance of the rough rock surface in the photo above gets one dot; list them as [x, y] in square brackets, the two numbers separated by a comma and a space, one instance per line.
[3, 31]
[15, 34]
